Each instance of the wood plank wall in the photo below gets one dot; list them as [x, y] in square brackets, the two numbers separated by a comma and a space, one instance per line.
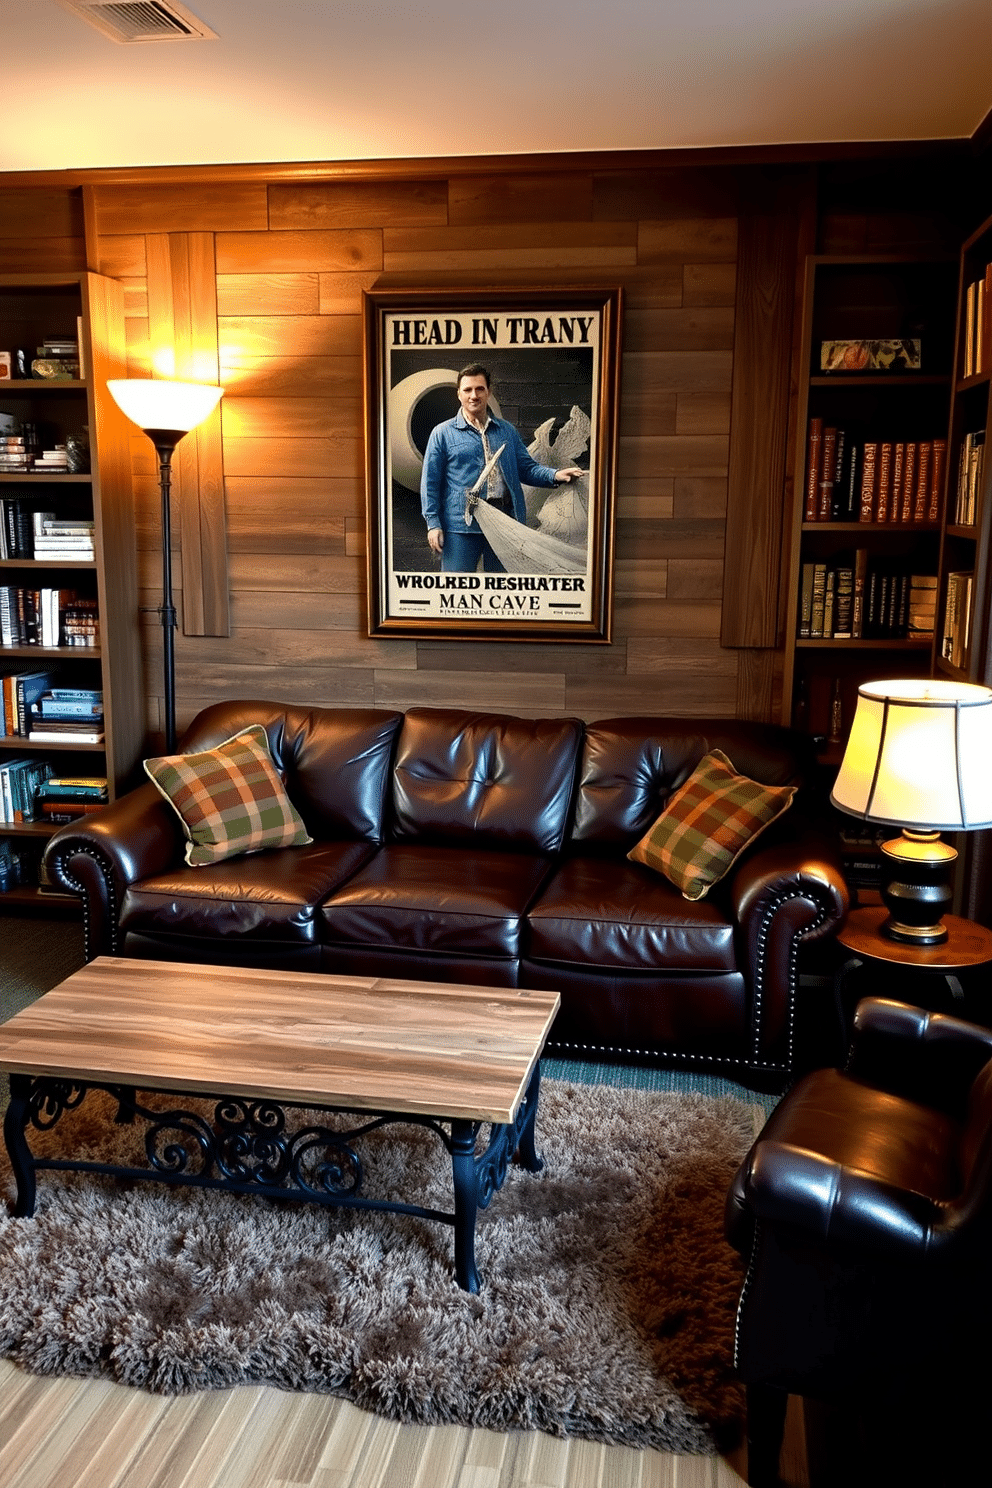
[292, 259]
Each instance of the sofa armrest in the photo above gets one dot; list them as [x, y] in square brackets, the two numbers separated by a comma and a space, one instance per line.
[99, 856]
[783, 896]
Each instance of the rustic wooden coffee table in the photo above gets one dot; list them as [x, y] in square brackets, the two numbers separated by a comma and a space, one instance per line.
[451, 1058]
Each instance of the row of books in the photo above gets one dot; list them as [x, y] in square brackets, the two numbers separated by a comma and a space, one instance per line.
[36, 708]
[956, 634]
[875, 481]
[861, 599]
[970, 463]
[47, 617]
[20, 779]
[28, 533]
[31, 791]
[18, 457]
[976, 353]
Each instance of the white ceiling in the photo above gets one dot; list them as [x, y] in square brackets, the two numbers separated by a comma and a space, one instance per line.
[300, 80]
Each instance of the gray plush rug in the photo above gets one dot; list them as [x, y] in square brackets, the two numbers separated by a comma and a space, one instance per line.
[607, 1302]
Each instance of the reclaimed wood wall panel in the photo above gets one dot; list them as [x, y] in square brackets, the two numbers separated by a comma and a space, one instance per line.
[190, 207]
[291, 262]
[372, 204]
[182, 316]
[297, 252]
[772, 228]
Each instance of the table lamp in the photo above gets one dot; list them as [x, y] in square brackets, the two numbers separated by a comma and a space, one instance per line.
[166, 411]
[919, 757]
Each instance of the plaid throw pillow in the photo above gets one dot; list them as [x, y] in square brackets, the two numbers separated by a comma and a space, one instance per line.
[707, 823]
[230, 800]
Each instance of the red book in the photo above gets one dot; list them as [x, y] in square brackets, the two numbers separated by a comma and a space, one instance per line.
[883, 505]
[814, 467]
[908, 483]
[922, 498]
[937, 468]
[868, 463]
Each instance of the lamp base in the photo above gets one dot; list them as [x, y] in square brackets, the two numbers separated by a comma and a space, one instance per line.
[919, 894]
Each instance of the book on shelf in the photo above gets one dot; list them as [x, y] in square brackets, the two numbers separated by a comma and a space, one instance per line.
[814, 467]
[977, 340]
[882, 495]
[84, 705]
[858, 598]
[806, 601]
[20, 691]
[74, 788]
[969, 482]
[819, 601]
[921, 620]
[866, 506]
[828, 475]
[68, 811]
[956, 633]
[905, 509]
[921, 500]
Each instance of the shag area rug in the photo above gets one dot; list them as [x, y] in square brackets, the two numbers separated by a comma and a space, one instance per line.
[606, 1308]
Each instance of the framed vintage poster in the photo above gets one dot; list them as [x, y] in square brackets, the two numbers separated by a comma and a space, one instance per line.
[491, 448]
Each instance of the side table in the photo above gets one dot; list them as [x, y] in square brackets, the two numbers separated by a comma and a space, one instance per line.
[968, 945]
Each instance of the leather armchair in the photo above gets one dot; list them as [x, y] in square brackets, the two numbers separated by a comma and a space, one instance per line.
[864, 1210]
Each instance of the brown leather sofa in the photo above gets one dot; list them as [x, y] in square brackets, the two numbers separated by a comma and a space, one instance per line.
[488, 849]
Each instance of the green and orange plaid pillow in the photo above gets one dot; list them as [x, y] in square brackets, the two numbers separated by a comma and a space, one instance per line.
[707, 823]
[230, 800]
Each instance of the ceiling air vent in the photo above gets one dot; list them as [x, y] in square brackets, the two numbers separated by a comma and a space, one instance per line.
[141, 20]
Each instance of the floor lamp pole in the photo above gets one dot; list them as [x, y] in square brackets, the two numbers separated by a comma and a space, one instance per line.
[165, 441]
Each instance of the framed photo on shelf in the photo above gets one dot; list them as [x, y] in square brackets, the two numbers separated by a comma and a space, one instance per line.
[473, 538]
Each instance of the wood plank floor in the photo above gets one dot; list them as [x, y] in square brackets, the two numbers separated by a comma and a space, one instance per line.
[65, 1433]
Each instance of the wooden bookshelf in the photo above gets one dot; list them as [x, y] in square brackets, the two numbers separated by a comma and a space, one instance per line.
[869, 298]
[90, 307]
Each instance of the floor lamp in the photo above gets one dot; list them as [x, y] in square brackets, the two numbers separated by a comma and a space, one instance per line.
[166, 411]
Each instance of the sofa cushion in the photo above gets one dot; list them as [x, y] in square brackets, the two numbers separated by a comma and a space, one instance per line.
[230, 799]
[271, 896]
[630, 766]
[619, 917]
[484, 779]
[439, 899]
[707, 823]
[337, 760]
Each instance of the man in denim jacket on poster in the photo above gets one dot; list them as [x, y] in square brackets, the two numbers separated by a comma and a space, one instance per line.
[457, 452]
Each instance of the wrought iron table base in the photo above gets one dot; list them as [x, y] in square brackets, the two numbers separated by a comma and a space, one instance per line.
[246, 1148]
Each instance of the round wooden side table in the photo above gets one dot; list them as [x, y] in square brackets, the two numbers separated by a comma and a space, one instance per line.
[967, 946]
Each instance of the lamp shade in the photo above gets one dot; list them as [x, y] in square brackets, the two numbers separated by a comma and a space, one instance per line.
[153, 403]
[919, 756]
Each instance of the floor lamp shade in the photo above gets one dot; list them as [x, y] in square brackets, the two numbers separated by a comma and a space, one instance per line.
[166, 411]
[919, 757]
[153, 403]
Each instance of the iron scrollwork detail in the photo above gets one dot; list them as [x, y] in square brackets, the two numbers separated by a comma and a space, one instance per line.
[246, 1143]
[50, 1099]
